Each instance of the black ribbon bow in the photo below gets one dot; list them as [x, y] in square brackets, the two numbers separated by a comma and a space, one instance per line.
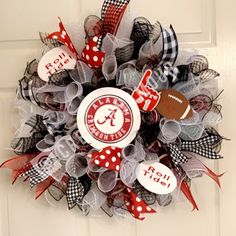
[204, 147]
[76, 190]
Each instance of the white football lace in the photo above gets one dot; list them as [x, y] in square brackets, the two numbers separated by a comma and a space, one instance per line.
[175, 98]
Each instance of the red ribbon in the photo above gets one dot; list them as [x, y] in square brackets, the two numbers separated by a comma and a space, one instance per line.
[109, 157]
[18, 165]
[187, 192]
[63, 37]
[137, 206]
[91, 54]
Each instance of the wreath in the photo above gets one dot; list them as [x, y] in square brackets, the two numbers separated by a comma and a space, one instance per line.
[124, 126]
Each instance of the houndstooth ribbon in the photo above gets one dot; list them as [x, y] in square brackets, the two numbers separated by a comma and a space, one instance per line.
[43, 166]
[36, 173]
[74, 192]
[203, 147]
[111, 15]
[77, 188]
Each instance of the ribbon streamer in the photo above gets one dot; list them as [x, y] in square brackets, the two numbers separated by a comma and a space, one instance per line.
[170, 50]
[137, 206]
[75, 192]
[63, 37]
[35, 171]
[109, 158]
[112, 13]
[203, 147]
[186, 191]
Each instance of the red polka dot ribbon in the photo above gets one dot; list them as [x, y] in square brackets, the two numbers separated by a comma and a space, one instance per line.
[136, 206]
[109, 157]
[63, 37]
[91, 54]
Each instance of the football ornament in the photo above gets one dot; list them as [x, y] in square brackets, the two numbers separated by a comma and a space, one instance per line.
[174, 105]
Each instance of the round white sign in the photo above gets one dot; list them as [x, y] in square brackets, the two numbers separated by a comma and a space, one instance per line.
[156, 177]
[55, 60]
[108, 117]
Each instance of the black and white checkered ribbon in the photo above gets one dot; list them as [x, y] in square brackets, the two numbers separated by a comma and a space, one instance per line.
[171, 72]
[75, 192]
[203, 147]
[170, 46]
[36, 174]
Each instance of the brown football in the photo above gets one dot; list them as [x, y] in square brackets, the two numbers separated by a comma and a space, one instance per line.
[174, 105]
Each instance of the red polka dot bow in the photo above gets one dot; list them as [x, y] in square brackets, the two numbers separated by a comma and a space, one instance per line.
[91, 54]
[63, 37]
[109, 157]
[137, 206]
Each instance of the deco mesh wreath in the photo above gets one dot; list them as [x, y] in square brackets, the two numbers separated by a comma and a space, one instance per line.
[125, 126]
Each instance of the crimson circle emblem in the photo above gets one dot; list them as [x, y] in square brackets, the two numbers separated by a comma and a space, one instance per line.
[108, 117]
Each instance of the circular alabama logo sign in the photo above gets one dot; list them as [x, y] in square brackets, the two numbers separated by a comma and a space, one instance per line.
[108, 117]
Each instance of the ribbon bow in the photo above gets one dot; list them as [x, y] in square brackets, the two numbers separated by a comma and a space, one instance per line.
[203, 147]
[22, 164]
[40, 168]
[170, 49]
[109, 157]
[111, 15]
[137, 206]
[91, 54]
[77, 188]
